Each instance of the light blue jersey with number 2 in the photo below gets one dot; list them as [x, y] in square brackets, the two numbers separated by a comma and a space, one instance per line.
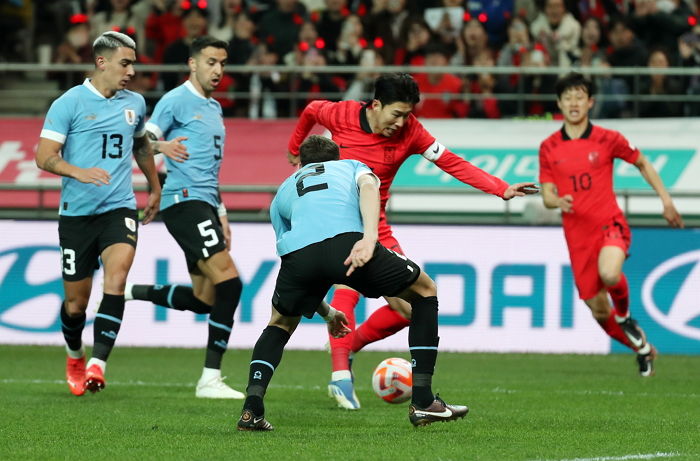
[318, 202]
[184, 112]
[96, 132]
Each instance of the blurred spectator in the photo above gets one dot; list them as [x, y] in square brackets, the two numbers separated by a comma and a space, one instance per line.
[440, 92]
[689, 56]
[384, 23]
[241, 47]
[350, 42]
[279, 27]
[472, 43]
[446, 23]
[558, 30]
[660, 85]
[603, 10]
[329, 22]
[264, 84]
[414, 37]
[119, 16]
[626, 50]
[163, 27]
[75, 48]
[362, 87]
[660, 23]
[494, 14]
[593, 44]
[229, 10]
[194, 22]
[483, 84]
[526, 9]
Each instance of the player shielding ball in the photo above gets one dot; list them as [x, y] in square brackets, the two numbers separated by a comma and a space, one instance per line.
[576, 165]
[88, 137]
[382, 134]
[326, 218]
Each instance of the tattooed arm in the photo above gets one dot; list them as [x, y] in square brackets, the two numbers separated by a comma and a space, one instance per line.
[48, 158]
[143, 153]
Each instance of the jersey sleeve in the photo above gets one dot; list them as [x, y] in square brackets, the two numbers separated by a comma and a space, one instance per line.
[280, 224]
[422, 141]
[624, 149]
[162, 119]
[58, 120]
[466, 172]
[545, 170]
[141, 125]
[315, 112]
[361, 169]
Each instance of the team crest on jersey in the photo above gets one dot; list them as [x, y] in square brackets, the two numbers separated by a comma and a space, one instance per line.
[593, 157]
[389, 154]
[130, 224]
[130, 116]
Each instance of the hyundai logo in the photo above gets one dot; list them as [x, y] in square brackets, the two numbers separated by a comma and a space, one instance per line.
[671, 294]
[31, 289]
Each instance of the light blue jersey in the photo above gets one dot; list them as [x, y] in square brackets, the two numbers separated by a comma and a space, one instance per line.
[318, 202]
[184, 112]
[96, 132]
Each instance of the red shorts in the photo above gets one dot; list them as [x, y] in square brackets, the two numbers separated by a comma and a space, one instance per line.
[584, 250]
[386, 237]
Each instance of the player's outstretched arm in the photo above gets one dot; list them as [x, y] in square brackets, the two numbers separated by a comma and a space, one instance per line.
[335, 320]
[363, 250]
[48, 158]
[143, 153]
[173, 149]
[651, 176]
[520, 189]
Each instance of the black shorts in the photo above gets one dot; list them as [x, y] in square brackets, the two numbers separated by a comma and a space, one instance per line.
[84, 238]
[307, 274]
[195, 226]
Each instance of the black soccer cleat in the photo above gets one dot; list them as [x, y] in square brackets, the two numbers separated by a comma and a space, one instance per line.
[249, 422]
[436, 411]
[634, 334]
[646, 362]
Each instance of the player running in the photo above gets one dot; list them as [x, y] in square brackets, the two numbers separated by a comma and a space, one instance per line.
[382, 134]
[576, 165]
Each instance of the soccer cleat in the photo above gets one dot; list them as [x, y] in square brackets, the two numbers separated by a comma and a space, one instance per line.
[634, 334]
[216, 388]
[646, 362]
[437, 411]
[249, 422]
[94, 379]
[75, 375]
[343, 392]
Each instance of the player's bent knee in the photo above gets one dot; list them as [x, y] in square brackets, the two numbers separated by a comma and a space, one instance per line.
[424, 286]
[76, 305]
[609, 278]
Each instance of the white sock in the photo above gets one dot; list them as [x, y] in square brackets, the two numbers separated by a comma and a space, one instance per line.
[209, 373]
[341, 374]
[619, 319]
[100, 363]
[75, 354]
[644, 350]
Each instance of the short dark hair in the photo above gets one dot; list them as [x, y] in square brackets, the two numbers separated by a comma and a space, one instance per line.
[199, 43]
[574, 80]
[399, 87]
[318, 149]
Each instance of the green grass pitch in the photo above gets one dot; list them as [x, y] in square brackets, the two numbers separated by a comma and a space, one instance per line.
[522, 407]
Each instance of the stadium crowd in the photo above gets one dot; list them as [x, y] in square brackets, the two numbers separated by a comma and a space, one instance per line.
[313, 33]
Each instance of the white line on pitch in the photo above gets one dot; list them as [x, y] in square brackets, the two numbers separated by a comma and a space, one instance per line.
[627, 457]
[135, 383]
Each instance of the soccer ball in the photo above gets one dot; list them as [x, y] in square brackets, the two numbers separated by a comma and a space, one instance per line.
[392, 380]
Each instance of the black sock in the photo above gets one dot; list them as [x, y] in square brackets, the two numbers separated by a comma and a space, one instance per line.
[423, 341]
[72, 328]
[228, 293]
[180, 297]
[107, 323]
[267, 355]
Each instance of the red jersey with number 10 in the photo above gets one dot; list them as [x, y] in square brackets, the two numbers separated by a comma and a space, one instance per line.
[350, 129]
[583, 168]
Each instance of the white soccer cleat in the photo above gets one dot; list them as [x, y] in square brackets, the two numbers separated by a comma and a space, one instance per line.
[216, 388]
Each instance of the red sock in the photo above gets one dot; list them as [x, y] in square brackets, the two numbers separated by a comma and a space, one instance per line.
[344, 300]
[620, 295]
[382, 323]
[613, 330]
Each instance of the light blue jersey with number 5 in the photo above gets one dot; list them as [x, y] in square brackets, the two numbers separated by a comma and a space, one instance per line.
[184, 112]
[96, 132]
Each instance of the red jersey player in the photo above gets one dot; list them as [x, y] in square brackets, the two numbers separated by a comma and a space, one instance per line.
[383, 134]
[576, 165]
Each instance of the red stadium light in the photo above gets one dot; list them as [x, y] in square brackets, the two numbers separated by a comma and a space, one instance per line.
[379, 42]
[363, 42]
[298, 20]
[467, 16]
[303, 46]
[78, 18]
[315, 16]
[362, 10]
[483, 17]
[202, 4]
[692, 21]
[116, 29]
[186, 5]
[320, 43]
